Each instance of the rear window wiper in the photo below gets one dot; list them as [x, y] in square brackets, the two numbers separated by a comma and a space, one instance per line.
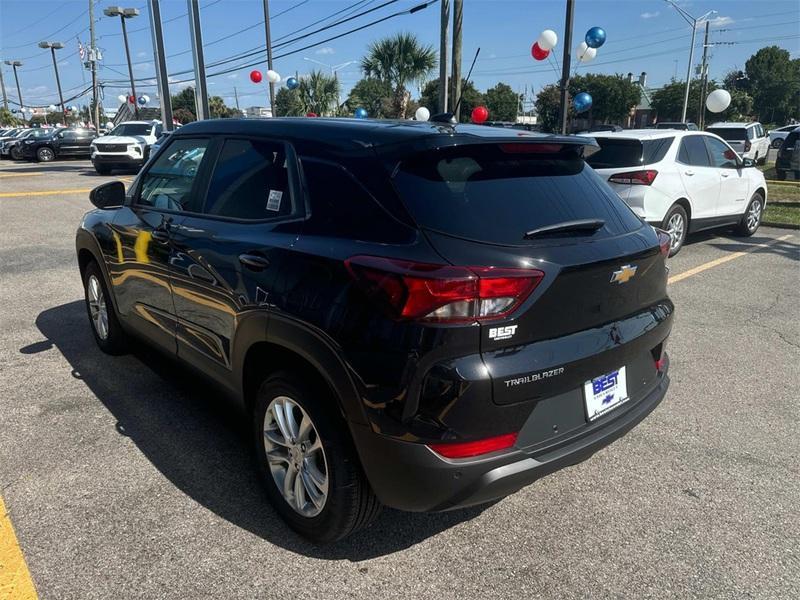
[566, 226]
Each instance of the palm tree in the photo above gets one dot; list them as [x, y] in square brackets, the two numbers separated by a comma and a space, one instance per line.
[399, 60]
[317, 93]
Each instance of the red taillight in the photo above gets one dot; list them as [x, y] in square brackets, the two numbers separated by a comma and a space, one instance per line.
[747, 146]
[476, 448]
[443, 292]
[664, 242]
[646, 177]
[660, 363]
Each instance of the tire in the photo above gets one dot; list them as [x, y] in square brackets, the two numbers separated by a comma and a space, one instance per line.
[107, 332]
[102, 169]
[676, 223]
[777, 143]
[15, 153]
[45, 154]
[751, 219]
[345, 502]
[781, 174]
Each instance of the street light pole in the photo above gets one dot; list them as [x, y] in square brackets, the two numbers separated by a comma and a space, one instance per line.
[53, 47]
[565, 64]
[200, 87]
[443, 34]
[14, 64]
[693, 22]
[269, 57]
[161, 65]
[3, 86]
[126, 13]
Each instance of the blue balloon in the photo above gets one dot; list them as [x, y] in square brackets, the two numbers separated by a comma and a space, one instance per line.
[595, 37]
[361, 113]
[142, 101]
[292, 83]
[582, 102]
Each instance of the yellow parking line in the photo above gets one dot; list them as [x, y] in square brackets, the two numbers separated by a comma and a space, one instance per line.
[20, 174]
[719, 261]
[15, 579]
[44, 193]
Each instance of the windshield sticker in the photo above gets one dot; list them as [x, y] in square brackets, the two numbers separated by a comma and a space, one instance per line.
[274, 200]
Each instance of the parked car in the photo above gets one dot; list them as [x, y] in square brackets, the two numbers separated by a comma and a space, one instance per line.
[748, 139]
[677, 125]
[10, 133]
[776, 136]
[12, 148]
[127, 146]
[409, 313]
[682, 181]
[788, 155]
[599, 128]
[62, 143]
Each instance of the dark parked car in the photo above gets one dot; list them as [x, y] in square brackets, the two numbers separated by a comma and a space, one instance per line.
[12, 148]
[786, 153]
[413, 314]
[677, 125]
[62, 143]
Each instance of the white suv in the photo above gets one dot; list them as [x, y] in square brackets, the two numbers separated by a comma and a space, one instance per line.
[127, 146]
[748, 139]
[682, 181]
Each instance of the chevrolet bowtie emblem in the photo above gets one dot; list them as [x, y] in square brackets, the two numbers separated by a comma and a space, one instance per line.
[624, 274]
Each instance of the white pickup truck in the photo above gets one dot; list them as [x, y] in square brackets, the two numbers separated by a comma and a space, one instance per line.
[127, 146]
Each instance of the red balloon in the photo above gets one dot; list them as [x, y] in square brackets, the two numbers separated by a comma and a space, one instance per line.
[132, 99]
[255, 76]
[480, 114]
[538, 53]
[311, 114]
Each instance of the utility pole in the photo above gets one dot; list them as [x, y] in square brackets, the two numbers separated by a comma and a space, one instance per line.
[458, 18]
[14, 64]
[444, 35]
[701, 114]
[200, 89]
[566, 61]
[123, 14]
[160, 61]
[236, 96]
[3, 85]
[269, 57]
[93, 60]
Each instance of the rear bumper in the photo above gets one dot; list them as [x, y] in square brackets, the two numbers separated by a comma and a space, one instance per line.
[410, 476]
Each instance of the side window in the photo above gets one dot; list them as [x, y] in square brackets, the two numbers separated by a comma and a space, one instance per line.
[693, 151]
[251, 181]
[168, 182]
[751, 133]
[159, 130]
[721, 156]
[342, 208]
[69, 136]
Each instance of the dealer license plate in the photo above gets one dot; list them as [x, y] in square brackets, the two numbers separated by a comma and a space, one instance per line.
[605, 393]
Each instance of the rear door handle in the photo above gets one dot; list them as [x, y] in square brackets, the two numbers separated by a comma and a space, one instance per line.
[254, 261]
[725, 174]
[689, 173]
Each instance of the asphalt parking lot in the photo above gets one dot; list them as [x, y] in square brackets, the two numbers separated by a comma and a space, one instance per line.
[124, 478]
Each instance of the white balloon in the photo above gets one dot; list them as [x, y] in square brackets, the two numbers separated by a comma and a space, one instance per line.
[422, 114]
[584, 53]
[51, 108]
[109, 125]
[273, 76]
[146, 98]
[547, 39]
[718, 100]
[122, 98]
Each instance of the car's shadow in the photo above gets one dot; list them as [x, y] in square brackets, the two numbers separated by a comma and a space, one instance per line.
[728, 242]
[202, 445]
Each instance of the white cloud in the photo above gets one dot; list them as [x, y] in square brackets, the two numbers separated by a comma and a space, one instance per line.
[325, 50]
[717, 22]
[233, 76]
[141, 54]
[39, 89]
[145, 66]
[650, 15]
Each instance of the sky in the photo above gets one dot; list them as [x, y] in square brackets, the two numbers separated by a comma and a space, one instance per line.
[642, 35]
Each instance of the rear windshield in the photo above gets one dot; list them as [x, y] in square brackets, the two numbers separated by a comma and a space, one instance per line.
[730, 134]
[495, 193]
[615, 153]
[791, 140]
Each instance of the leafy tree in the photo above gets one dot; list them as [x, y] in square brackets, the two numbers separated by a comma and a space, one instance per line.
[7, 118]
[184, 100]
[218, 109]
[183, 115]
[399, 60]
[668, 101]
[502, 102]
[318, 93]
[372, 94]
[548, 108]
[613, 96]
[287, 103]
[773, 80]
[470, 98]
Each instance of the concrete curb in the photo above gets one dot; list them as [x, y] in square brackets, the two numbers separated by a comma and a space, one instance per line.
[780, 225]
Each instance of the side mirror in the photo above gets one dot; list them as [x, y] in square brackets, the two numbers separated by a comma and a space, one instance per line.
[748, 162]
[108, 195]
[60, 135]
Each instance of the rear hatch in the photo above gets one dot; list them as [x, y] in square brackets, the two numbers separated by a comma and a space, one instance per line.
[735, 136]
[623, 161]
[540, 207]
